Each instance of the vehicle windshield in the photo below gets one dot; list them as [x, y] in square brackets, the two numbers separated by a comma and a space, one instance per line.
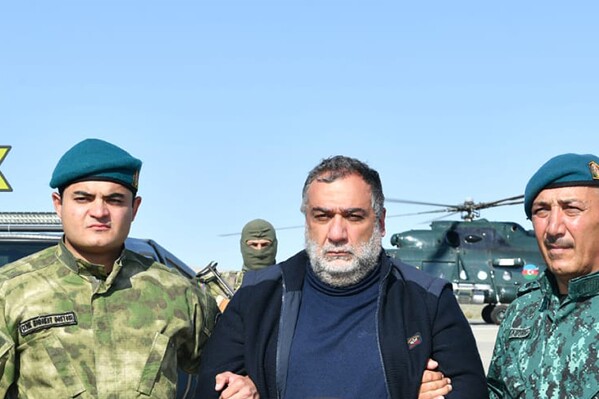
[14, 250]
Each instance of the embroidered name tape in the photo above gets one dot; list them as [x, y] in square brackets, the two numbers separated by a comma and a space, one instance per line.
[519, 333]
[43, 322]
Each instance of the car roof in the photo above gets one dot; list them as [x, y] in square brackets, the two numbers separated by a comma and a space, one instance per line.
[45, 228]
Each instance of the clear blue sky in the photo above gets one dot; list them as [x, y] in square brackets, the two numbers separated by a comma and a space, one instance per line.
[231, 103]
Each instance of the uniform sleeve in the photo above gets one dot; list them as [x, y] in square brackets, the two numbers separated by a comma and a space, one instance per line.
[204, 313]
[498, 367]
[454, 347]
[494, 378]
[224, 350]
[7, 353]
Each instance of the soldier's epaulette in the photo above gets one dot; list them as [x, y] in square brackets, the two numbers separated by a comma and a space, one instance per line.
[528, 287]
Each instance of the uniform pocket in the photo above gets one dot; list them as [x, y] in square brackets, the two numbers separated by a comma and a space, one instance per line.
[46, 369]
[160, 368]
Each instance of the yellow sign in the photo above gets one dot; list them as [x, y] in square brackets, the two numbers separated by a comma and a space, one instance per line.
[4, 186]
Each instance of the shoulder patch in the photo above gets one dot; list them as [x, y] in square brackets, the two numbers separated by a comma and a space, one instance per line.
[43, 322]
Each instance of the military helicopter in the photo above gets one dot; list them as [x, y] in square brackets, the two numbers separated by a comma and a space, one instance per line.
[485, 261]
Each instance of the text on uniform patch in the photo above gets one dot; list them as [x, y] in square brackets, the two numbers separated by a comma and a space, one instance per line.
[47, 321]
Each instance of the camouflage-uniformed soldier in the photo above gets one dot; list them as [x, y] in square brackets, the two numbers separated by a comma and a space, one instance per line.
[258, 245]
[547, 344]
[88, 318]
[547, 348]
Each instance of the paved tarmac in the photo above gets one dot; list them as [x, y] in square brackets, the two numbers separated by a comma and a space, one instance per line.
[485, 340]
[484, 333]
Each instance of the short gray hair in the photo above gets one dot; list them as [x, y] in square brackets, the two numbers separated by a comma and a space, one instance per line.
[339, 166]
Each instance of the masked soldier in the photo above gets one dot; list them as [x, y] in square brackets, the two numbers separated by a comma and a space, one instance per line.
[258, 245]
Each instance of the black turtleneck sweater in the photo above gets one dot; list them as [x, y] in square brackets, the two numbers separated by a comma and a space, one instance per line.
[334, 353]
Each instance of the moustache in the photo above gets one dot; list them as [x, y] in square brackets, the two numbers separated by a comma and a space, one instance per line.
[557, 243]
[340, 248]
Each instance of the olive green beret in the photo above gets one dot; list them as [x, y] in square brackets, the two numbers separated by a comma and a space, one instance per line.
[562, 171]
[94, 159]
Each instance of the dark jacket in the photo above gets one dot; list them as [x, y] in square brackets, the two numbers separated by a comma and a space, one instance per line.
[418, 318]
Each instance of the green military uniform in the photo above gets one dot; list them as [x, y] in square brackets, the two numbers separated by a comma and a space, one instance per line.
[69, 330]
[547, 346]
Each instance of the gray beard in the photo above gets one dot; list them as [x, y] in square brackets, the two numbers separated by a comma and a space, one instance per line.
[344, 273]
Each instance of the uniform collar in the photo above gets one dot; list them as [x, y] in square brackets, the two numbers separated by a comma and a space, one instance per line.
[579, 287]
[584, 286]
[83, 267]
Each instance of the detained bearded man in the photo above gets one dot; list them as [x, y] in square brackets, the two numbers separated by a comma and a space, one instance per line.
[336, 258]
[341, 319]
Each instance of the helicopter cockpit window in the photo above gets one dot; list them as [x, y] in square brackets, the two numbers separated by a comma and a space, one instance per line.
[471, 238]
[481, 238]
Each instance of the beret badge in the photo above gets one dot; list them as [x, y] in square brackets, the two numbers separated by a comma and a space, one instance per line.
[135, 179]
[594, 168]
[565, 170]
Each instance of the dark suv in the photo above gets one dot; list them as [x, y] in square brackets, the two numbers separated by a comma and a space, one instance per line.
[24, 233]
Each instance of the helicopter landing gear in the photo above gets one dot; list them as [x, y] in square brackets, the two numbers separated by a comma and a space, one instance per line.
[486, 314]
[494, 313]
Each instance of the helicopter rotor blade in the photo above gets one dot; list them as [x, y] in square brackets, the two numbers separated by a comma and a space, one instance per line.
[401, 201]
[420, 213]
[506, 203]
[229, 234]
[518, 199]
[443, 217]
[276, 229]
[468, 208]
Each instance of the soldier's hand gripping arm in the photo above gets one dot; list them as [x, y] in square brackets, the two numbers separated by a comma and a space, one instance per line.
[454, 347]
[434, 384]
[235, 385]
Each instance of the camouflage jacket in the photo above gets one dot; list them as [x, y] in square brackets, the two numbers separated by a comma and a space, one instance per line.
[547, 346]
[66, 333]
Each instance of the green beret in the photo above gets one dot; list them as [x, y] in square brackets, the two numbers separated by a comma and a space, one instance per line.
[94, 159]
[562, 171]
